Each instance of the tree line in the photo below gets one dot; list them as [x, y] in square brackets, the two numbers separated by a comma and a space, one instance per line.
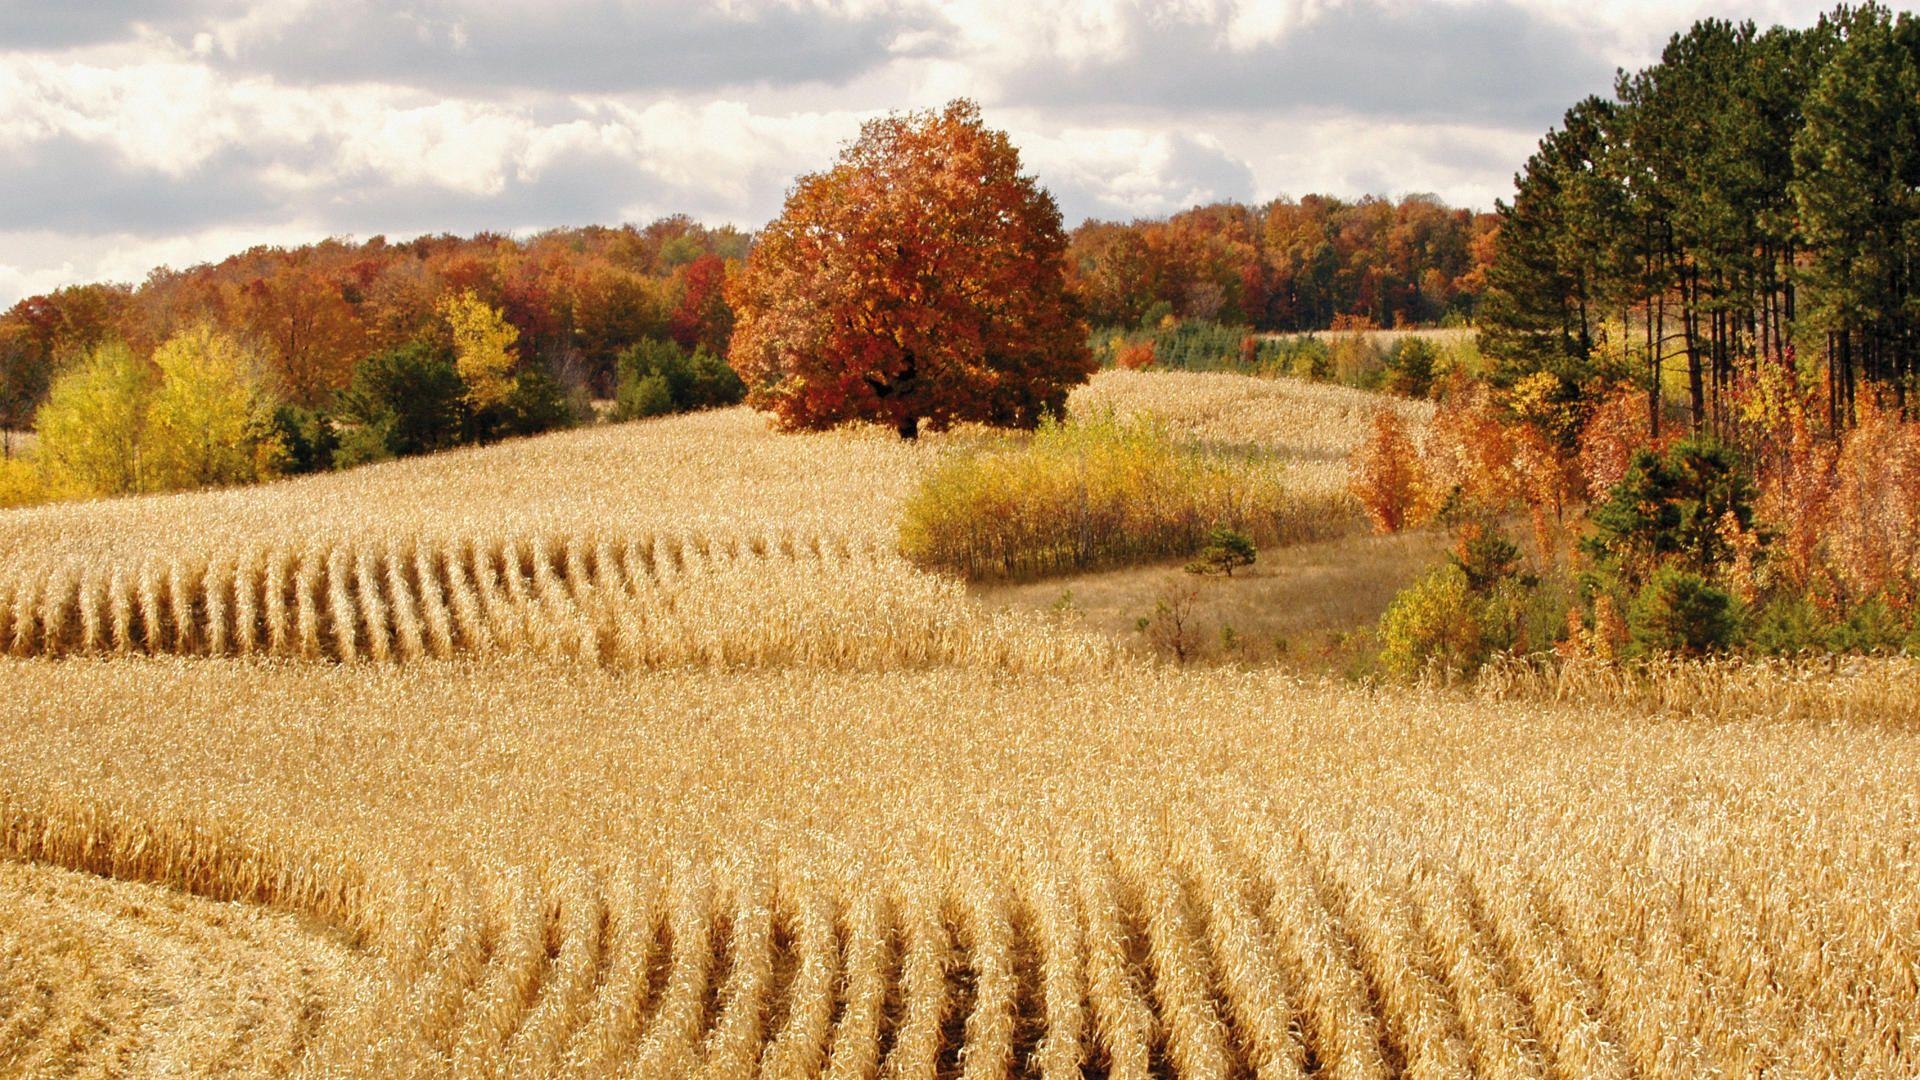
[1747, 206]
[1287, 265]
[576, 299]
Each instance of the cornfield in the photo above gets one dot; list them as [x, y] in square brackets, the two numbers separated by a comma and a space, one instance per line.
[674, 783]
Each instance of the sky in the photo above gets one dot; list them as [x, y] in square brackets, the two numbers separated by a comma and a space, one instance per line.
[140, 133]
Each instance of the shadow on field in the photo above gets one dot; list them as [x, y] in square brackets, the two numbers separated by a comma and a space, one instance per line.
[1298, 605]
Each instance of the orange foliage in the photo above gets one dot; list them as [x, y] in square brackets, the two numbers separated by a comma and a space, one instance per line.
[1135, 355]
[1797, 483]
[1616, 429]
[919, 280]
[1875, 521]
[577, 297]
[1387, 475]
[1470, 452]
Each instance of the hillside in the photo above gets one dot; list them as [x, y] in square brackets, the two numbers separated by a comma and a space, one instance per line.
[638, 751]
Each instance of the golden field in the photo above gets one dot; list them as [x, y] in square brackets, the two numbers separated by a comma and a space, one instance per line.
[451, 768]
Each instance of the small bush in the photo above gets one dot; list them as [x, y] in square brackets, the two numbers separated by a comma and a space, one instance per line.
[1173, 629]
[306, 438]
[1134, 355]
[1409, 367]
[536, 402]
[1682, 613]
[1485, 556]
[657, 377]
[641, 397]
[1097, 492]
[1672, 506]
[1435, 622]
[1227, 550]
[21, 484]
[403, 401]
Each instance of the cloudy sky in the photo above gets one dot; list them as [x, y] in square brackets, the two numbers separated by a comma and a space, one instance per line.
[135, 133]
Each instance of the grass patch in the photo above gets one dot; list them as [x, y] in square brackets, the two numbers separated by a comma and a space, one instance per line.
[1101, 491]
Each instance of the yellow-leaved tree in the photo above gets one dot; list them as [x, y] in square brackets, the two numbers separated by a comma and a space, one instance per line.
[208, 412]
[93, 425]
[483, 343]
[194, 415]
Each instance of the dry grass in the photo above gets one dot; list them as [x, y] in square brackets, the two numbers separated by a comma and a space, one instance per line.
[1295, 605]
[833, 817]
[1198, 872]
[103, 977]
[1316, 424]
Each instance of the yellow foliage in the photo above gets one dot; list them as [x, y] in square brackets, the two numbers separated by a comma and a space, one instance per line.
[21, 483]
[205, 412]
[1099, 491]
[94, 425]
[483, 343]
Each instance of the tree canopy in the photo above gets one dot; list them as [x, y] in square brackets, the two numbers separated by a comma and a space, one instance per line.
[920, 280]
[1749, 202]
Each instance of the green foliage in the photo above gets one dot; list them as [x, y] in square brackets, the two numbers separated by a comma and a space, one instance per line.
[1410, 366]
[1096, 492]
[403, 401]
[1788, 624]
[1226, 551]
[1306, 357]
[1485, 557]
[1670, 507]
[1682, 613]
[658, 377]
[535, 402]
[1437, 622]
[366, 441]
[306, 438]
[641, 397]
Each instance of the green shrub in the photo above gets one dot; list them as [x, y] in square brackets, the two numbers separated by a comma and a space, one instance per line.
[1409, 366]
[1309, 358]
[365, 442]
[537, 402]
[1681, 612]
[641, 397]
[1227, 550]
[408, 400]
[658, 376]
[307, 439]
[1485, 556]
[1435, 622]
[1097, 492]
[1669, 507]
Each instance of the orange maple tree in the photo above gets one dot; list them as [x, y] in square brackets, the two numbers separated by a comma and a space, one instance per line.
[919, 281]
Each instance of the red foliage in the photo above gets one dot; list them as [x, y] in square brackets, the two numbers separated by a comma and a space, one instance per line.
[578, 297]
[919, 280]
[1387, 476]
[1617, 428]
[1135, 355]
[701, 318]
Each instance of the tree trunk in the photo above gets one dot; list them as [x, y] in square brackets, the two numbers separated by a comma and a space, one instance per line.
[910, 427]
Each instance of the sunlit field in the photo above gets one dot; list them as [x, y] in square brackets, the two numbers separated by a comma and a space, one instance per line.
[640, 751]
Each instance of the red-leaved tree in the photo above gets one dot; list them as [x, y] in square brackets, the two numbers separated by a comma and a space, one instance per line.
[921, 280]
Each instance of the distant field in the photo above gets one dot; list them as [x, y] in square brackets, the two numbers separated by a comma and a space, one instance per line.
[637, 751]
[1386, 338]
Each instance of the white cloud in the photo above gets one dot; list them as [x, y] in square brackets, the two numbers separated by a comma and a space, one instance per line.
[139, 132]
